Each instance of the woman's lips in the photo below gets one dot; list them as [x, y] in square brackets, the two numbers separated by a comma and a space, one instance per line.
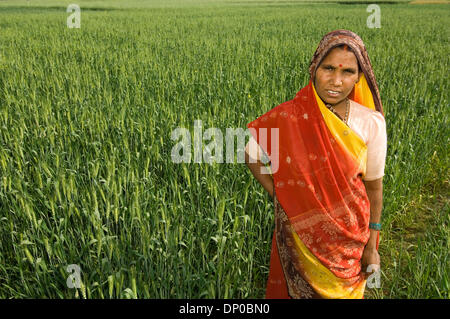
[332, 93]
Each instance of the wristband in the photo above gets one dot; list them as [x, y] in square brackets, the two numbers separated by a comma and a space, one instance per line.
[375, 226]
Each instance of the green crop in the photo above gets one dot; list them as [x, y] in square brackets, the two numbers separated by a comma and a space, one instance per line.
[86, 116]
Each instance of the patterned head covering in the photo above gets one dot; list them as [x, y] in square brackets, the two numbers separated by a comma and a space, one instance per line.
[339, 37]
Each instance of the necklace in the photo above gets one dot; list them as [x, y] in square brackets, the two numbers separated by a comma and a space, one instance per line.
[347, 107]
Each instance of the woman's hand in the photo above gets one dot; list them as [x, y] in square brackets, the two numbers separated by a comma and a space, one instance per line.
[369, 257]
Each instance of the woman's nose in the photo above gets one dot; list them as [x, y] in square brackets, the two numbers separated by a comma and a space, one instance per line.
[337, 80]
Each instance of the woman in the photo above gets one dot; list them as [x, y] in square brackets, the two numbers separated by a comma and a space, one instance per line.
[327, 150]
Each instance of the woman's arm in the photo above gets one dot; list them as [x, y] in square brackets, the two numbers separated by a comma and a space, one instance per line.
[252, 160]
[370, 255]
[374, 191]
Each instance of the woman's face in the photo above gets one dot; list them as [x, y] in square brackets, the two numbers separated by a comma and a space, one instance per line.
[336, 76]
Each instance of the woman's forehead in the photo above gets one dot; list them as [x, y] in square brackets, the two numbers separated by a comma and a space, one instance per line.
[340, 56]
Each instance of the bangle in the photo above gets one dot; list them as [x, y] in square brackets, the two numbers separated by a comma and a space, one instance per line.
[375, 226]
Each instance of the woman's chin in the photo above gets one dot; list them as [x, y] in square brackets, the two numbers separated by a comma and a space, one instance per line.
[331, 101]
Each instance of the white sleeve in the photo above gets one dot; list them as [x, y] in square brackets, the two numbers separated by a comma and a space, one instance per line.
[376, 148]
[254, 151]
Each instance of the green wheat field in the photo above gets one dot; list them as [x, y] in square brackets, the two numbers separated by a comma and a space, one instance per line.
[86, 116]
